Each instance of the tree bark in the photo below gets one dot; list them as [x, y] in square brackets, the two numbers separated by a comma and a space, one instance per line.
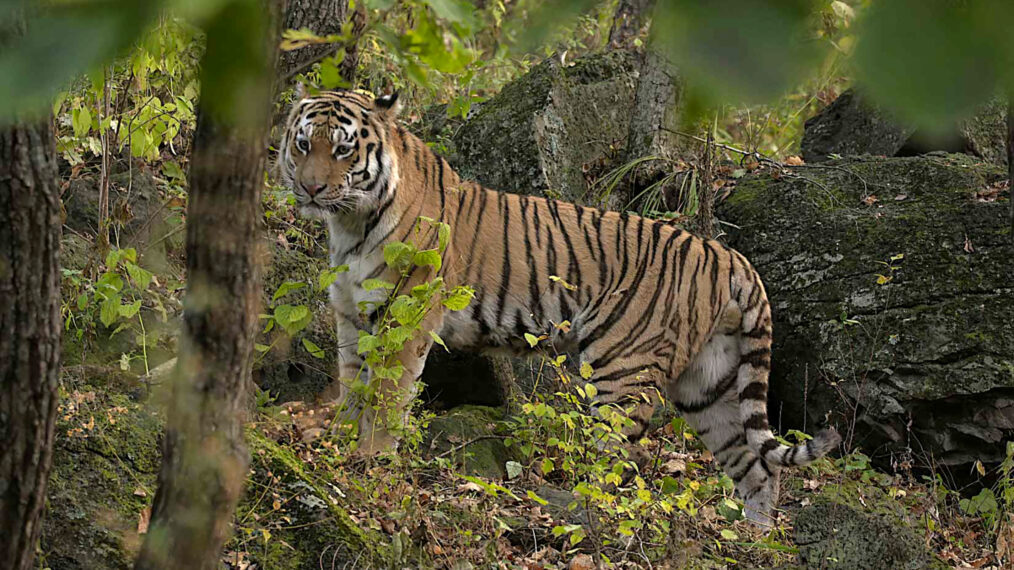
[322, 17]
[205, 458]
[630, 18]
[30, 329]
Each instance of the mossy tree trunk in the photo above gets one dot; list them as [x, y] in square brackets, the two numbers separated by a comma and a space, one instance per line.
[30, 328]
[205, 459]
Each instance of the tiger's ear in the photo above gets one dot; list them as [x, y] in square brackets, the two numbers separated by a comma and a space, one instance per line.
[300, 91]
[388, 106]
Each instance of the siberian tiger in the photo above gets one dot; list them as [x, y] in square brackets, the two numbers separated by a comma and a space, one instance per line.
[653, 309]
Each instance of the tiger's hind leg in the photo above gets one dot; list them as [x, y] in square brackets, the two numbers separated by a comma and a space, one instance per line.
[706, 395]
[632, 385]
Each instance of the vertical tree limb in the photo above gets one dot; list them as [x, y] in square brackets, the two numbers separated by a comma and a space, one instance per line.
[1010, 158]
[205, 458]
[30, 331]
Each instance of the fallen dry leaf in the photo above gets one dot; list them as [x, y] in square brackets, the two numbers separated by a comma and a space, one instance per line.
[900, 197]
[581, 562]
[870, 200]
[794, 161]
[143, 520]
[969, 249]
[139, 492]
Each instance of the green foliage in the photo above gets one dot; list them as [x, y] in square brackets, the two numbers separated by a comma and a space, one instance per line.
[112, 304]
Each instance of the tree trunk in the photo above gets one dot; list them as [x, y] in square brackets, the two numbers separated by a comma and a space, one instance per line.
[205, 458]
[630, 18]
[1010, 159]
[322, 17]
[30, 328]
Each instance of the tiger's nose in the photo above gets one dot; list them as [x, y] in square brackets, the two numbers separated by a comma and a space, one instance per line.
[314, 189]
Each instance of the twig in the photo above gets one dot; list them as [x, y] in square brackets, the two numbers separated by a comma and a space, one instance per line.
[467, 443]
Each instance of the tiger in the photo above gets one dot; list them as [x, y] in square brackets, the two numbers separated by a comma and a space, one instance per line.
[656, 312]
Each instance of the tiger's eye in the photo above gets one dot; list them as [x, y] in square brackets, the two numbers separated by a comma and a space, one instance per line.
[303, 145]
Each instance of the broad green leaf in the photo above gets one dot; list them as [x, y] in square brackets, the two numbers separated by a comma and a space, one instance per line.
[81, 120]
[932, 61]
[586, 370]
[367, 342]
[458, 298]
[532, 339]
[286, 288]
[398, 255]
[389, 372]
[738, 50]
[141, 277]
[371, 284]
[292, 318]
[456, 11]
[405, 310]
[128, 311]
[109, 311]
[328, 276]
[427, 257]
[313, 349]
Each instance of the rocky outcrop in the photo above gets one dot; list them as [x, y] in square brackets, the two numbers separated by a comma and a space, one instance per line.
[853, 126]
[834, 536]
[890, 282]
[542, 131]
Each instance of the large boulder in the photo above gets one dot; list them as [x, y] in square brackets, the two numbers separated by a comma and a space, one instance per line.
[540, 133]
[835, 536]
[890, 282]
[853, 126]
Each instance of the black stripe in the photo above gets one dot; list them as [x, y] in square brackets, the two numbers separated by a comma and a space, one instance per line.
[754, 391]
[758, 421]
[758, 358]
[767, 446]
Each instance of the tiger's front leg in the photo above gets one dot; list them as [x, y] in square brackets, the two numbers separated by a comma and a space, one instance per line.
[350, 363]
[384, 417]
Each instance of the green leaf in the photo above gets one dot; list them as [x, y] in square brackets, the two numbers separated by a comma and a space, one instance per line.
[371, 284]
[398, 256]
[405, 310]
[537, 499]
[532, 339]
[292, 318]
[367, 342]
[109, 311]
[81, 120]
[456, 11]
[286, 288]
[313, 349]
[513, 469]
[443, 237]
[328, 276]
[426, 257]
[586, 370]
[436, 338]
[739, 50]
[128, 311]
[389, 372]
[112, 258]
[458, 298]
[729, 534]
[933, 62]
[261, 347]
[141, 277]
[82, 301]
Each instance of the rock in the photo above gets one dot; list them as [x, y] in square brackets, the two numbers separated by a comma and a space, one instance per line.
[539, 133]
[479, 429]
[831, 536]
[852, 126]
[919, 366]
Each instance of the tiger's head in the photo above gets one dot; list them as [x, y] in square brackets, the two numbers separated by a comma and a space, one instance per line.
[332, 153]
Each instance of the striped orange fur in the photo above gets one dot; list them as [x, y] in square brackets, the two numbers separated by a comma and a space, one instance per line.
[653, 309]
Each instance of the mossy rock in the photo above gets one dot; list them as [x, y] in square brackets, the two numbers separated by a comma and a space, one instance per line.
[483, 429]
[538, 133]
[915, 357]
[105, 464]
[106, 461]
[833, 536]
